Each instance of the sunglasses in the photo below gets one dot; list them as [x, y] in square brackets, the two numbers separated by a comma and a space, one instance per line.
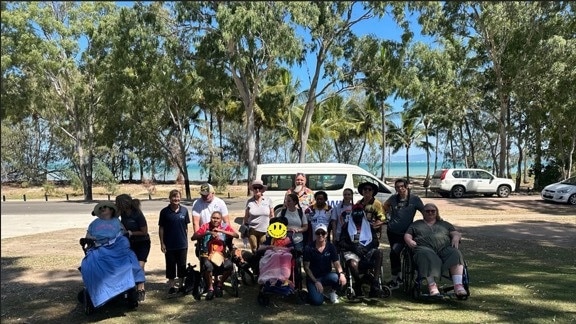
[367, 189]
[430, 210]
[321, 233]
[257, 187]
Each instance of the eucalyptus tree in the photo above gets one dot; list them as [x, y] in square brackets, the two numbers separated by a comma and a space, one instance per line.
[248, 39]
[57, 44]
[328, 27]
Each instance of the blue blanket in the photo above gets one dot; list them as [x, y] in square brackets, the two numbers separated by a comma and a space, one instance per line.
[110, 270]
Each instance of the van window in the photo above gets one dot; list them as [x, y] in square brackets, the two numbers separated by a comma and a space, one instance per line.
[360, 178]
[316, 182]
[278, 182]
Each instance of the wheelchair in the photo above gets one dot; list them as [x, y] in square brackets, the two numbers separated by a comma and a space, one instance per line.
[366, 279]
[130, 296]
[414, 284]
[200, 288]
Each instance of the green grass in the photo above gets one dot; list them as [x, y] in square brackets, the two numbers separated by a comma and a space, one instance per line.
[511, 282]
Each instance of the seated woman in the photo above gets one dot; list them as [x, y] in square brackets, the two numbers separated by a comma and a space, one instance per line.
[275, 254]
[435, 246]
[359, 244]
[214, 236]
[111, 267]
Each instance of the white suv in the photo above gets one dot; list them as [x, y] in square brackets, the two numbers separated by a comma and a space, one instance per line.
[457, 182]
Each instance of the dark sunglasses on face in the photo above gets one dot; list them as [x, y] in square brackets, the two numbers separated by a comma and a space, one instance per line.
[258, 187]
[321, 233]
[367, 189]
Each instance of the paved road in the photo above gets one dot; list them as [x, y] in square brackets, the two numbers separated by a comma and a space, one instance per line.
[24, 218]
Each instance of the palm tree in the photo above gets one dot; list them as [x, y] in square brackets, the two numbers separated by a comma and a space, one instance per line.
[410, 132]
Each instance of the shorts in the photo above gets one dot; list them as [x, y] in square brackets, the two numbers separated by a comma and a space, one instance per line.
[141, 249]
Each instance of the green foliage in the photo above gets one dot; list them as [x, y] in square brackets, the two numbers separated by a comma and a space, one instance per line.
[74, 179]
[103, 176]
[49, 187]
[221, 173]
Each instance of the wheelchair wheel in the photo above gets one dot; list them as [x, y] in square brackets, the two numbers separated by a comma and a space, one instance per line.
[87, 303]
[263, 300]
[132, 298]
[234, 282]
[411, 286]
[385, 292]
[350, 293]
[199, 290]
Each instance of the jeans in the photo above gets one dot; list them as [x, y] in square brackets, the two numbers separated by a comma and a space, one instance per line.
[328, 280]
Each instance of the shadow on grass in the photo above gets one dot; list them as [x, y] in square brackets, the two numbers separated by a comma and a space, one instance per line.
[512, 281]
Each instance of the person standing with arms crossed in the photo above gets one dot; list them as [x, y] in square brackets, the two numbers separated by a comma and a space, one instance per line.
[401, 208]
[173, 232]
[208, 203]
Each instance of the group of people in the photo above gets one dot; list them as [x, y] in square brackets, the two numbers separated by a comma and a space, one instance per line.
[318, 231]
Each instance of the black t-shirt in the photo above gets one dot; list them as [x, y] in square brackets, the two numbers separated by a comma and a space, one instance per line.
[134, 222]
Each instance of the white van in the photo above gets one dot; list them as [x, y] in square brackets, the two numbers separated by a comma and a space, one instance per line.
[332, 178]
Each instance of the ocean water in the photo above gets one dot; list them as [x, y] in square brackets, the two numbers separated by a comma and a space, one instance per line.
[393, 169]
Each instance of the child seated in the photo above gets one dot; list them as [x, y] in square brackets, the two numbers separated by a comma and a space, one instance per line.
[276, 262]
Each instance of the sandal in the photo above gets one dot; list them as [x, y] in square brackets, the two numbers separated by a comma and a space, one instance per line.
[459, 290]
[433, 289]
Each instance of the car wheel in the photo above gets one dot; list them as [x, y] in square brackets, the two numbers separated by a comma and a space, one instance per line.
[457, 192]
[572, 200]
[503, 191]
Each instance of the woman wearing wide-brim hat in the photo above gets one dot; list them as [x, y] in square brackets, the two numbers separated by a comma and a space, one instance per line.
[257, 215]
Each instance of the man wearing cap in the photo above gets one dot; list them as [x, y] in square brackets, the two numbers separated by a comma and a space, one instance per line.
[401, 208]
[372, 206]
[208, 203]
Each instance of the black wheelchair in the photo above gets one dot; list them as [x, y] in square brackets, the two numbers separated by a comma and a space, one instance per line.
[200, 286]
[366, 278]
[413, 282]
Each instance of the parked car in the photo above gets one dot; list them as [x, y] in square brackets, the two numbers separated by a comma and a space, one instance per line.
[563, 191]
[458, 182]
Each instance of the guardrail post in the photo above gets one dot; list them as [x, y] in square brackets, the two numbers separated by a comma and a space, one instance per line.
[67, 197]
[24, 197]
[46, 197]
[3, 197]
[149, 197]
[108, 196]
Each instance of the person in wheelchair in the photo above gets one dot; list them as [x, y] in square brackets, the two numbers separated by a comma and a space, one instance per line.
[109, 267]
[214, 256]
[434, 243]
[359, 245]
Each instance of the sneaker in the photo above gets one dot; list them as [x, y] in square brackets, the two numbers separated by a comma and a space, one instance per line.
[333, 297]
[459, 290]
[433, 290]
[218, 291]
[172, 291]
[210, 295]
[141, 295]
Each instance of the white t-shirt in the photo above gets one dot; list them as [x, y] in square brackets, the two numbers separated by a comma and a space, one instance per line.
[337, 215]
[204, 210]
[259, 213]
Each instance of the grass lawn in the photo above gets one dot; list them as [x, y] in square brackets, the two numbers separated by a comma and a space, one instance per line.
[512, 281]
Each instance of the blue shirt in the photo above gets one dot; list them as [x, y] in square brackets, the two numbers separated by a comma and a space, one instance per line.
[104, 230]
[320, 263]
[175, 224]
